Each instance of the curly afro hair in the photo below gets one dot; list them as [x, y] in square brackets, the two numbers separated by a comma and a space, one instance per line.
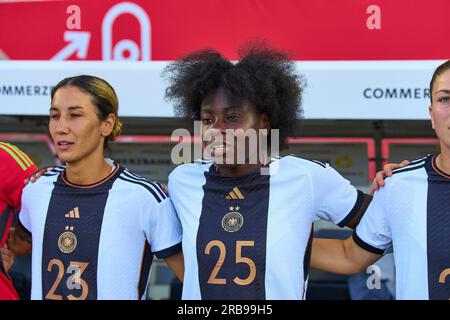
[263, 76]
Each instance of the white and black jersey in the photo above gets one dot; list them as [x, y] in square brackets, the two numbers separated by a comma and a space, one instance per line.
[97, 241]
[250, 237]
[412, 214]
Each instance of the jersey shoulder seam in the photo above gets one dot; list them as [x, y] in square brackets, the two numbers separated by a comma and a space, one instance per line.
[410, 169]
[143, 184]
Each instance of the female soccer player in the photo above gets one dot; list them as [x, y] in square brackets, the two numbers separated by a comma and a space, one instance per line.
[411, 214]
[248, 235]
[93, 226]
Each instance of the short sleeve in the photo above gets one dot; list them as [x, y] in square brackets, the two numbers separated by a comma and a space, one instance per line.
[373, 232]
[15, 167]
[162, 228]
[335, 198]
[24, 214]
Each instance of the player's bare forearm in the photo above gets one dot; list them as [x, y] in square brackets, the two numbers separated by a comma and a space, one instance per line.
[329, 255]
[19, 241]
[340, 256]
[176, 263]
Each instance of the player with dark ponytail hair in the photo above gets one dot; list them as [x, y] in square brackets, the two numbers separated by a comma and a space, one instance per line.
[93, 225]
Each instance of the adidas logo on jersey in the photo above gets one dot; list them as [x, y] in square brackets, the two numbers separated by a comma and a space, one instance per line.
[235, 194]
[74, 213]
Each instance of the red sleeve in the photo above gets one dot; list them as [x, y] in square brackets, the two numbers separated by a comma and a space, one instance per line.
[15, 166]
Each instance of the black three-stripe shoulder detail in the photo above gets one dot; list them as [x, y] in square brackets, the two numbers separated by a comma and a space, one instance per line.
[49, 174]
[155, 195]
[155, 185]
[409, 168]
[52, 174]
[414, 164]
[415, 161]
[143, 184]
[54, 171]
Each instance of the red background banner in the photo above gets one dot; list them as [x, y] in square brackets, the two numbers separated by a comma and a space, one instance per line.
[308, 29]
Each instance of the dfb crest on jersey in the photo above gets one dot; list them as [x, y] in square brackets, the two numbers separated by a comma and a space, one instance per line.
[233, 220]
[67, 241]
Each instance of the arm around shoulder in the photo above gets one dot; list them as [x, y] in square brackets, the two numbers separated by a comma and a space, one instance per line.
[341, 256]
